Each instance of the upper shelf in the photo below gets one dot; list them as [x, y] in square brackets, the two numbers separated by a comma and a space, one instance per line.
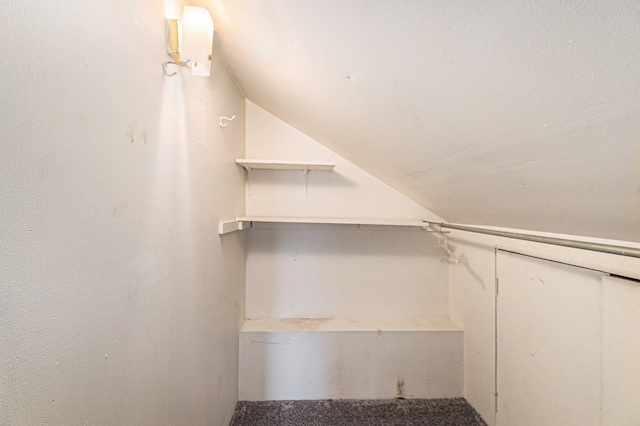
[282, 165]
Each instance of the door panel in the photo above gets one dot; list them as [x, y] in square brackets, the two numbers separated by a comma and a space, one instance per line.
[621, 352]
[549, 343]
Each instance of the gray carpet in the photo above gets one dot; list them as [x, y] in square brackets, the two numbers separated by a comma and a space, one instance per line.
[345, 412]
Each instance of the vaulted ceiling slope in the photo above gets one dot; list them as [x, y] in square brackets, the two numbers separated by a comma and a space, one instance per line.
[507, 113]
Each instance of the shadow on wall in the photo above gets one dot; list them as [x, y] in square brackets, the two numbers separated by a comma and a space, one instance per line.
[463, 260]
[343, 240]
[296, 179]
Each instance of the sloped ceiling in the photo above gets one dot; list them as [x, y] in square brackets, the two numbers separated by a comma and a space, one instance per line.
[507, 113]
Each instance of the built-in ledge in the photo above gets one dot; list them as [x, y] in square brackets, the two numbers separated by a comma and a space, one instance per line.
[348, 324]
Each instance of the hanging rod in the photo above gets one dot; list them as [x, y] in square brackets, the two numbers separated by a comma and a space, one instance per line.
[603, 248]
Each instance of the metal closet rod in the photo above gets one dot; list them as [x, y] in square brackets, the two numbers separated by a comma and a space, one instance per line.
[603, 248]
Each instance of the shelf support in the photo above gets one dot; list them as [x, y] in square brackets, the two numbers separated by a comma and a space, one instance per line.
[229, 226]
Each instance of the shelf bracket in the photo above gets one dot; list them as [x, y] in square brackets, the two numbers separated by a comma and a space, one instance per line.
[229, 226]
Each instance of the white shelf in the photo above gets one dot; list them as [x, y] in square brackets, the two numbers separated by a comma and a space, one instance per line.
[283, 165]
[245, 222]
[228, 226]
[257, 325]
[335, 221]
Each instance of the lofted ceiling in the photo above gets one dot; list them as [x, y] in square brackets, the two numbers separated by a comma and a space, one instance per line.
[505, 113]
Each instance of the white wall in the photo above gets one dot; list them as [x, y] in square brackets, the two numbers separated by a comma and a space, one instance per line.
[350, 365]
[301, 271]
[335, 272]
[119, 302]
[472, 300]
[347, 191]
[372, 289]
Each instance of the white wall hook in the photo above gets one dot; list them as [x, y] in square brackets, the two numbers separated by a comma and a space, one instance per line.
[224, 121]
[442, 244]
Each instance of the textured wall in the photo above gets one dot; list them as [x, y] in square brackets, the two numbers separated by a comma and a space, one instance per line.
[119, 302]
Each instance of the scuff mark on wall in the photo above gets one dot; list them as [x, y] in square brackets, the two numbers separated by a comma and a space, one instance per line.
[131, 132]
[400, 388]
[270, 343]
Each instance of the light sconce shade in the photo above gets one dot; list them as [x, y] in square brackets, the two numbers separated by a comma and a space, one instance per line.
[190, 41]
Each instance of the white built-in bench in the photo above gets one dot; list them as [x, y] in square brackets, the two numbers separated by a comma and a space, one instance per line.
[362, 358]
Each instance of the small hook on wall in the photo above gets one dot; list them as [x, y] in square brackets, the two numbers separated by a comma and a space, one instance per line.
[186, 63]
[442, 244]
[224, 121]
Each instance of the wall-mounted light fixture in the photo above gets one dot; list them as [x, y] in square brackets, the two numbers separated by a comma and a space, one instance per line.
[190, 41]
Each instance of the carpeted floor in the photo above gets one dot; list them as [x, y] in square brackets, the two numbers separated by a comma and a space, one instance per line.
[345, 412]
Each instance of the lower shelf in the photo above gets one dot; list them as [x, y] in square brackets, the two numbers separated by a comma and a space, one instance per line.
[348, 324]
[241, 223]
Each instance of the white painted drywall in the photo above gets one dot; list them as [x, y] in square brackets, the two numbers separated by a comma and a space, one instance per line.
[472, 306]
[344, 272]
[302, 271]
[472, 300]
[350, 365]
[373, 276]
[119, 302]
[347, 191]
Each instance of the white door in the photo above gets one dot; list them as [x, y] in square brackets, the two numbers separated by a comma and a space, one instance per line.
[549, 352]
[621, 352]
[568, 345]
